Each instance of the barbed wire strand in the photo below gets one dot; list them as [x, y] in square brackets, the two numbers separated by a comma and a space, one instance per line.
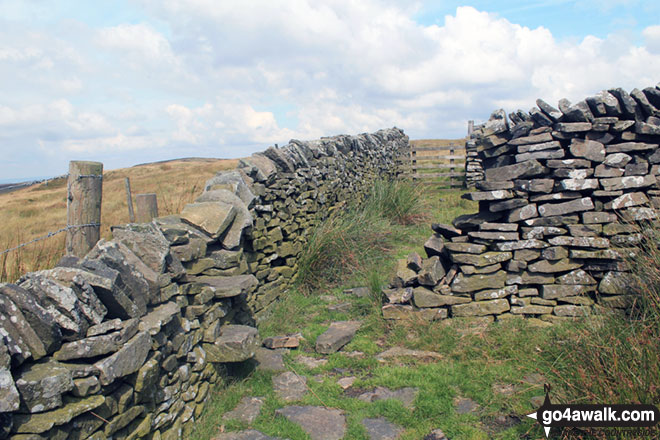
[50, 234]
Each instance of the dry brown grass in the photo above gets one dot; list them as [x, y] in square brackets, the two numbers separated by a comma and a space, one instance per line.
[37, 210]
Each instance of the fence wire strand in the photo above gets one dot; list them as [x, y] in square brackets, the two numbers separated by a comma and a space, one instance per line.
[50, 234]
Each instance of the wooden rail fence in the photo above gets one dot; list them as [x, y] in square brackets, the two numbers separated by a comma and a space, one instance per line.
[438, 164]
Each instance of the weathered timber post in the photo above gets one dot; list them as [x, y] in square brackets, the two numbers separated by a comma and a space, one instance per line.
[470, 128]
[83, 207]
[129, 201]
[147, 207]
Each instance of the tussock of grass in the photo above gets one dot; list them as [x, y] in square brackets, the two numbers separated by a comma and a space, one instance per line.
[358, 238]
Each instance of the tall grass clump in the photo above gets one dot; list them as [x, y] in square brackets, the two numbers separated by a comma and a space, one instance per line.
[359, 237]
[615, 357]
[399, 201]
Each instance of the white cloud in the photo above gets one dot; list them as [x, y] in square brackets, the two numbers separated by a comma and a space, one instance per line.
[199, 77]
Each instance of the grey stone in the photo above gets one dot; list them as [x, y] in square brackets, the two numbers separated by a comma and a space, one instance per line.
[242, 221]
[97, 345]
[447, 231]
[562, 265]
[578, 205]
[147, 242]
[338, 334]
[434, 245]
[40, 319]
[399, 295]
[289, 386]
[9, 397]
[495, 294]
[627, 147]
[540, 155]
[535, 185]
[159, 317]
[139, 281]
[568, 163]
[127, 360]
[614, 283]
[320, 423]
[404, 276]
[556, 291]
[606, 171]
[432, 272]
[41, 386]
[236, 343]
[519, 170]
[269, 360]
[424, 298]
[381, 429]
[287, 341]
[62, 304]
[494, 235]
[405, 395]
[110, 297]
[12, 317]
[414, 261]
[480, 260]
[578, 184]
[225, 287]
[577, 276]
[591, 150]
[246, 411]
[508, 246]
[481, 308]
[464, 405]
[593, 242]
[627, 200]
[43, 422]
[214, 218]
[234, 182]
[468, 248]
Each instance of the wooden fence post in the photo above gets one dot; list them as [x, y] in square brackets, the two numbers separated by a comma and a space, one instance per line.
[129, 201]
[83, 207]
[147, 207]
[470, 128]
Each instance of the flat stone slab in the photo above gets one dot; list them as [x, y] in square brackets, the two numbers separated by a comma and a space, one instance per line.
[269, 360]
[311, 362]
[346, 382]
[246, 411]
[250, 434]
[320, 423]
[381, 429]
[339, 334]
[289, 386]
[236, 343]
[286, 341]
[463, 405]
[405, 395]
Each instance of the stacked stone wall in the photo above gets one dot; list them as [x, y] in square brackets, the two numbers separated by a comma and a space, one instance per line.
[128, 341]
[565, 193]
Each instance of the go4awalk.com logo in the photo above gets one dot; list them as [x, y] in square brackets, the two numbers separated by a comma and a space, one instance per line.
[594, 416]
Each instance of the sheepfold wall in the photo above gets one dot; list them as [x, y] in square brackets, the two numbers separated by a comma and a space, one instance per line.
[559, 207]
[128, 341]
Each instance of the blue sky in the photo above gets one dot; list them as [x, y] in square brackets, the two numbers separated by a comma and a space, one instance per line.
[133, 81]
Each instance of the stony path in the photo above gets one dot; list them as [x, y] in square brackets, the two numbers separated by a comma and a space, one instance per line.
[319, 421]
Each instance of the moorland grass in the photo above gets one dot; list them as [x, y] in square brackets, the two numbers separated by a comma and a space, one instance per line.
[39, 209]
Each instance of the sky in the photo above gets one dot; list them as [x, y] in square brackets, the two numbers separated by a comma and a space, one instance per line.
[125, 82]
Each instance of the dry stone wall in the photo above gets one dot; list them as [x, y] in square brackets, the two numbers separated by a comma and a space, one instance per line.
[559, 210]
[127, 342]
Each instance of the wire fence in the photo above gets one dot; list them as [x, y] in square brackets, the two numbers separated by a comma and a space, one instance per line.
[49, 235]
